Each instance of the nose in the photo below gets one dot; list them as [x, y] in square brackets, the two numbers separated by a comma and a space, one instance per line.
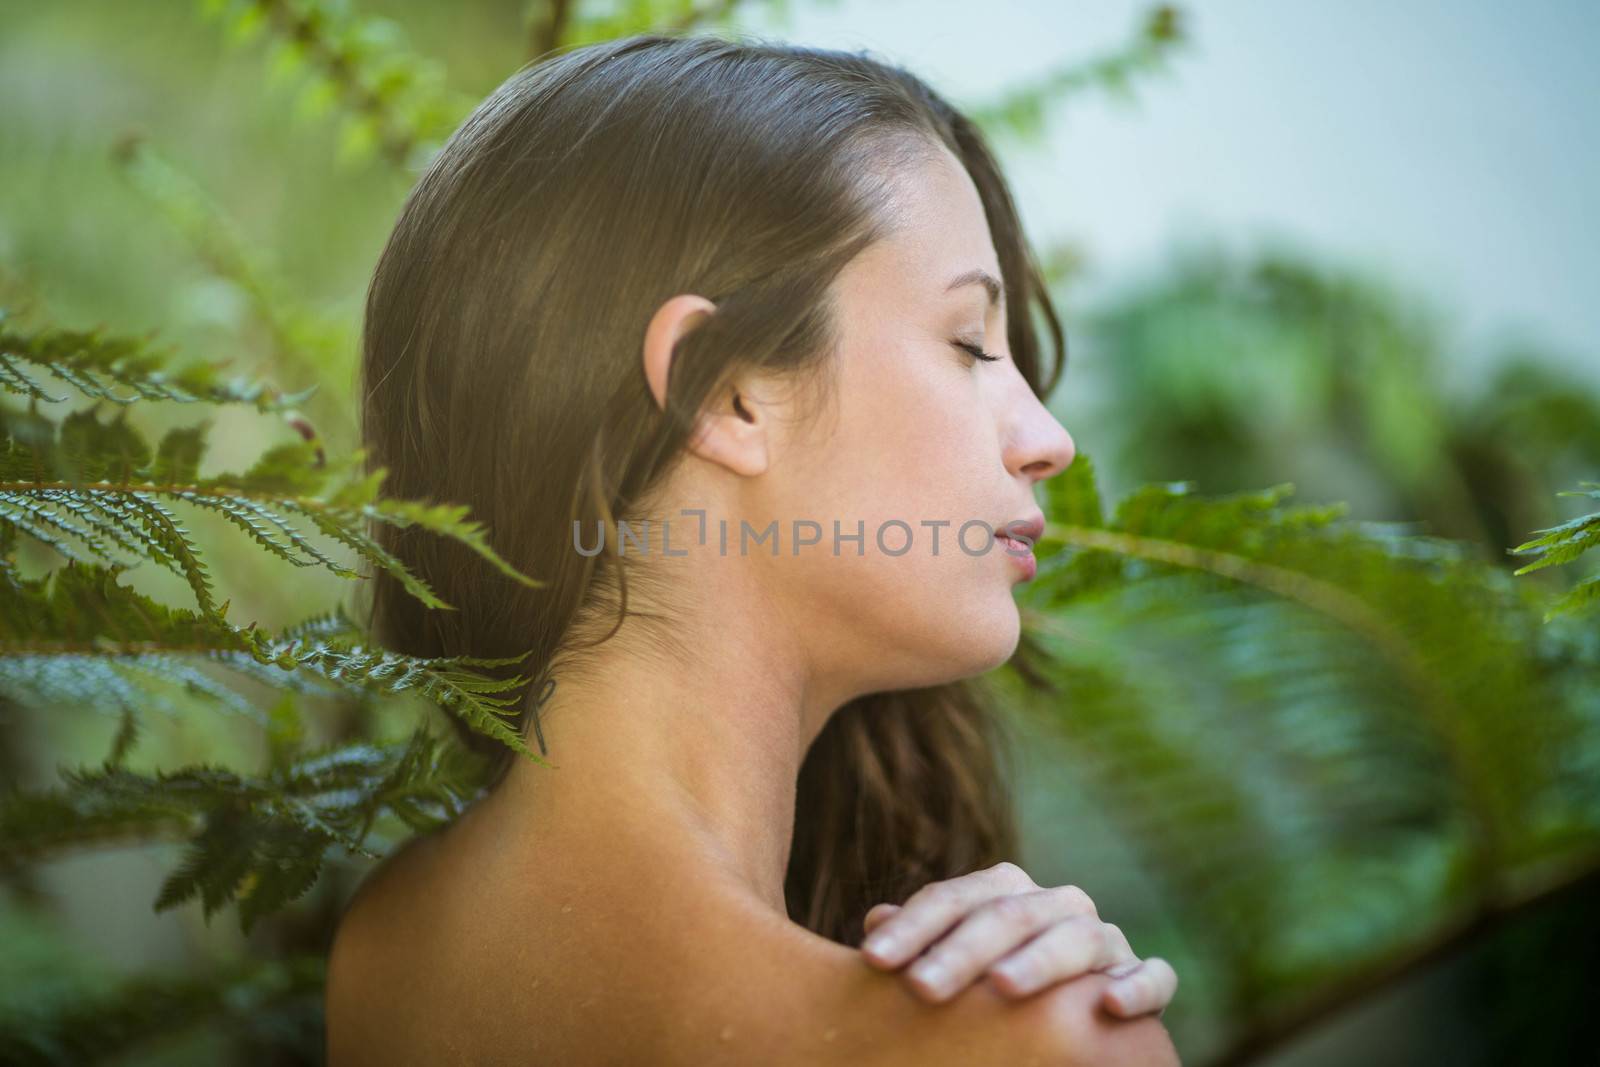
[1038, 447]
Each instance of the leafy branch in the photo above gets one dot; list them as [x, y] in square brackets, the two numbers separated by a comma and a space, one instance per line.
[94, 364]
[1024, 109]
[1407, 724]
[77, 630]
[303, 343]
[1563, 544]
[97, 493]
[396, 101]
[255, 841]
[93, 489]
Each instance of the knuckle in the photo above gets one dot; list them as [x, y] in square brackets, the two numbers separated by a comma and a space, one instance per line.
[1009, 874]
[1077, 899]
[1084, 937]
[1058, 946]
[1124, 968]
[1012, 910]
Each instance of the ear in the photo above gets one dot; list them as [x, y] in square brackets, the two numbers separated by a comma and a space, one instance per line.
[732, 428]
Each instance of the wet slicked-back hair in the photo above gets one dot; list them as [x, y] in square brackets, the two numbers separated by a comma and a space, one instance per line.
[501, 370]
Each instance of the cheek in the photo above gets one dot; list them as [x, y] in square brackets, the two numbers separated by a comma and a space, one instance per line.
[909, 449]
[915, 439]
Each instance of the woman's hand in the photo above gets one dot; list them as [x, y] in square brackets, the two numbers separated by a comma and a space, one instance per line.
[1000, 924]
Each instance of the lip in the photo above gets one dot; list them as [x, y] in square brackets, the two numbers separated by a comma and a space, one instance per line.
[1030, 526]
[1024, 561]
[1027, 532]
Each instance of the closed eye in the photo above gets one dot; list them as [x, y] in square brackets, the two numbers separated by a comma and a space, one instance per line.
[976, 351]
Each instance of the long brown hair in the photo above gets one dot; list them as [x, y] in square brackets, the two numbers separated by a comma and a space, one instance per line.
[501, 370]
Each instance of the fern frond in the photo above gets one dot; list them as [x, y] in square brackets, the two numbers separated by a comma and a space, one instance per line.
[331, 624]
[77, 636]
[106, 521]
[38, 824]
[38, 521]
[448, 520]
[257, 842]
[1563, 544]
[95, 363]
[1401, 705]
[165, 530]
[262, 524]
[158, 671]
[475, 698]
[105, 477]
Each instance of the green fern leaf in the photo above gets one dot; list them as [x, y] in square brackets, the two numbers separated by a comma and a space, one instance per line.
[95, 363]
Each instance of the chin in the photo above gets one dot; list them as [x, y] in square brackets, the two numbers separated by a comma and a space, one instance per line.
[988, 639]
[1007, 648]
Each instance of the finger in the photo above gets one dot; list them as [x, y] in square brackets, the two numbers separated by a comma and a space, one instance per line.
[1126, 961]
[1071, 947]
[992, 930]
[877, 915]
[1149, 988]
[936, 907]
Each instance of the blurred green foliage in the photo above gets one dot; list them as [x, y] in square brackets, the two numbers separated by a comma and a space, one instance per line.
[1297, 748]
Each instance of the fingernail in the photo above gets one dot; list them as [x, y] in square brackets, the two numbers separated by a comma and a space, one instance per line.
[1018, 972]
[932, 975]
[881, 945]
[1125, 992]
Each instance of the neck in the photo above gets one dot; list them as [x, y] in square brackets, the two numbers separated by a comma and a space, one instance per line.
[702, 751]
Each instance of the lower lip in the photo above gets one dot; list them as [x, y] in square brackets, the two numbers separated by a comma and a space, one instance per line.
[1027, 563]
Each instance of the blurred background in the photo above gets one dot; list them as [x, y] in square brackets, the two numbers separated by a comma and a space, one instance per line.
[1344, 246]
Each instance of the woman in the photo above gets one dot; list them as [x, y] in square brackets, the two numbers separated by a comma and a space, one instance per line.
[775, 302]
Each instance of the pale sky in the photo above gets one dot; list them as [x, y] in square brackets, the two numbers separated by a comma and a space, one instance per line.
[1453, 146]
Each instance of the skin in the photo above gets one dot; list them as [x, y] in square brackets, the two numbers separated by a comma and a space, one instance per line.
[626, 905]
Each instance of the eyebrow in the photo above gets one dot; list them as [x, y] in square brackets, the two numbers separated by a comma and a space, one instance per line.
[978, 276]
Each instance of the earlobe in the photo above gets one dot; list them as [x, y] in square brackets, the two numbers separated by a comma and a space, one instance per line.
[729, 434]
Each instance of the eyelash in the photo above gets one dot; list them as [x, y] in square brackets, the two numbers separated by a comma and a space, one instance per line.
[976, 351]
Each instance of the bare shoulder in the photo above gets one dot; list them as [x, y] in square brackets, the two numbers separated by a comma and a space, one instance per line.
[376, 961]
[770, 991]
[666, 966]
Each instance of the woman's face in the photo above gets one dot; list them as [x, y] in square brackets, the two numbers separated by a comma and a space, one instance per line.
[919, 433]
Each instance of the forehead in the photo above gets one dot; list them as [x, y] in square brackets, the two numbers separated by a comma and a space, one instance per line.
[937, 232]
